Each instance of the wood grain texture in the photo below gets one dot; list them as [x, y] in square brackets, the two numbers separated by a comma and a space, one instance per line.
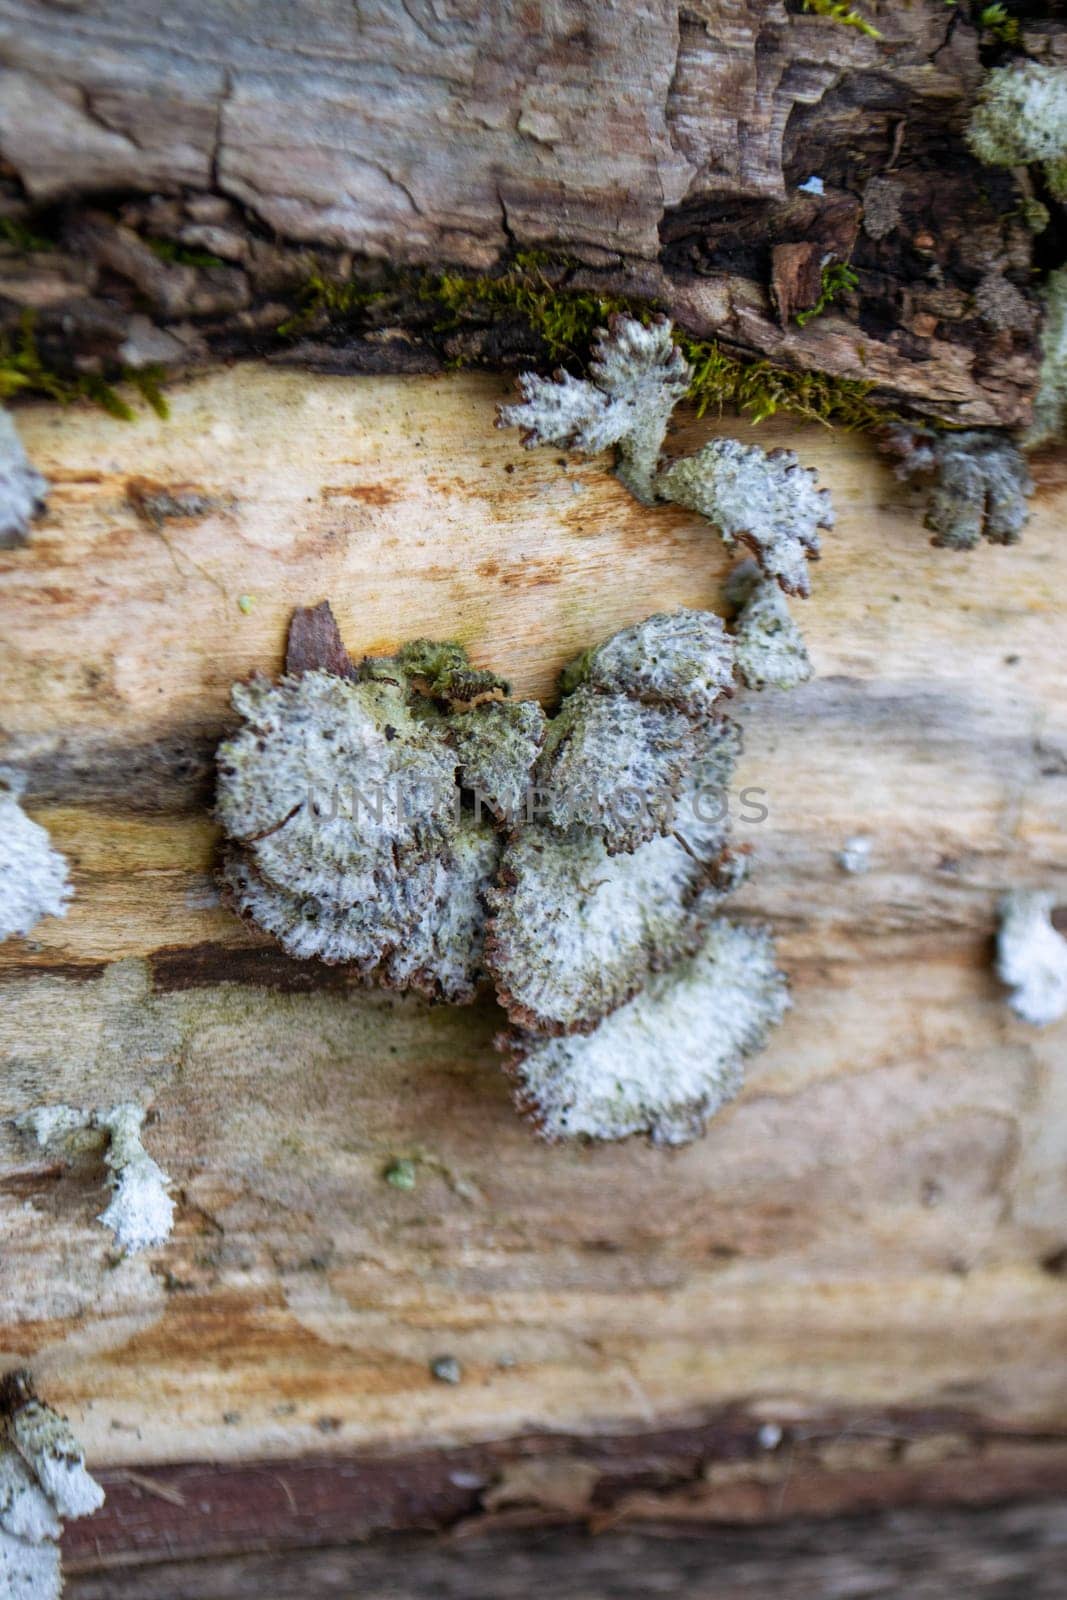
[995, 1555]
[660, 147]
[878, 1221]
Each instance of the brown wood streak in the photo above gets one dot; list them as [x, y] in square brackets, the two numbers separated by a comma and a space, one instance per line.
[713, 1474]
[986, 1555]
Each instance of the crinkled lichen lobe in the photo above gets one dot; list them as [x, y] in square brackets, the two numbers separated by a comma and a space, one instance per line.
[496, 745]
[1021, 116]
[637, 377]
[613, 764]
[763, 499]
[980, 488]
[667, 1060]
[683, 658]
[769, 647]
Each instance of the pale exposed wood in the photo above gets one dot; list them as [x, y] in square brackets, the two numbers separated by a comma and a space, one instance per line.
[875, 1222]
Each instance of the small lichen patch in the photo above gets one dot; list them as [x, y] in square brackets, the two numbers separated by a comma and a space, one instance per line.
[22, 488]
[981, 484]
[769, 647]
[33, 875]
[141, 1213]
[29, 1570]
[576, 931]
[25, 1509]
[637, 377]
[1021, 116]
[42, 1480]
[1032, 957]
[614, 765]
[1050, 404]
[665, 1062]
[496, 745]
[854, 857]
[763, 499]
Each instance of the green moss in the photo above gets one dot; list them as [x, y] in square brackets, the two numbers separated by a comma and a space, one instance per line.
[837, 279]
[997, 21]
[22, 238]
[180, 256]
[842, 13]
[24, 371]
[566, 319]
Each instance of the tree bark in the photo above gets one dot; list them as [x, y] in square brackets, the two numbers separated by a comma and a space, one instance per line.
[659, 148]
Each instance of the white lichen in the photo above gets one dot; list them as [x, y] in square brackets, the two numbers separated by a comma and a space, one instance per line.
[606, 857]
[48, 1447]
[680, 658]
[1020, 117]
[576, 932]
[615, 765]
[1032, 957]
[444, 958]
[666, 1061]
[763, 499]
[33, 874]
[981, 484]
[496, 745]
[25, 1510]
[43, 1480]
[141, 1213]
[637, 376]
[28, 1570]
[769, 647]
[854, 857]
[22, 488]
[1050, 403]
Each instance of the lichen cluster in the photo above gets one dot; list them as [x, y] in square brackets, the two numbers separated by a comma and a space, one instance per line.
[405, 818]
[762, 499]
[980, 483]
[43, 1481]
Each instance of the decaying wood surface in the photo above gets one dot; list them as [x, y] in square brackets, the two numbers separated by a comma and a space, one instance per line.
[877, 1222]
[996, 1555]
[661, 147]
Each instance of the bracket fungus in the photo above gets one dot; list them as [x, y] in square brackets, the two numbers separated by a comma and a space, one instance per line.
[43, 1480]
[763, 499]
[33, 874]
[597, 861]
